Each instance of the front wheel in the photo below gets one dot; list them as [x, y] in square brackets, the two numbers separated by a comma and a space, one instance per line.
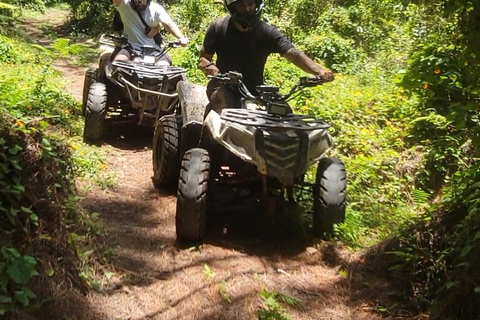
[95, 113]
[329, 196]
[166, 155]
[192, 195]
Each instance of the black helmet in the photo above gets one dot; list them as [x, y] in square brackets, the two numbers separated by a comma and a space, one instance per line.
[247, 20]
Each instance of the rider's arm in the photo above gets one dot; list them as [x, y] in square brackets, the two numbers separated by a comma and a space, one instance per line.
[172, 27]
[301, 60]
[206, 65]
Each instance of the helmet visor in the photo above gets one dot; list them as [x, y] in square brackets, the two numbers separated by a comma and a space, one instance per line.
[246, 7]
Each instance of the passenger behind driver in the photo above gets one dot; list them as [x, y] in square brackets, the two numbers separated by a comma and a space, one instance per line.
[139, 34]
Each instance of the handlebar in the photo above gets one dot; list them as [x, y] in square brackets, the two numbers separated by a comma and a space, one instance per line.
[269, 93]
[173, 44]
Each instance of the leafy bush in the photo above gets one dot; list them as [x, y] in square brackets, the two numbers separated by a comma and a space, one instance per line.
[35, 5]
[7, 53]
[15, 273]
[194, 16]
[37, 174]
[337, 53]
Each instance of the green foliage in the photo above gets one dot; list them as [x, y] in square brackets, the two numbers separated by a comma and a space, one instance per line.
[7, 52]
[444, 73]
[7, 16]
[188, 59]
[91, 17]
[193, 16]
[439, 258]
[337, 53]
[36, 5]
[273, 309]
[15, 273]
[37, 177]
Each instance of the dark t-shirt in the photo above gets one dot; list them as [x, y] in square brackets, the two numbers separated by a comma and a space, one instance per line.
[244, 52]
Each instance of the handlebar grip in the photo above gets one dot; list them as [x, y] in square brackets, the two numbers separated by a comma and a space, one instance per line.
[174, 44]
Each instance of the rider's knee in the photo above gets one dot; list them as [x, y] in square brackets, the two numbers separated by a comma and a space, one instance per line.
[123, 55]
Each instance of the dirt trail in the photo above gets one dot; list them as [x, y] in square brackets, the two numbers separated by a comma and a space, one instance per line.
[156, 278]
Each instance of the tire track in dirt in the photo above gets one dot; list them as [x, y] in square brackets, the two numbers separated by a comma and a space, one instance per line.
[154, 277]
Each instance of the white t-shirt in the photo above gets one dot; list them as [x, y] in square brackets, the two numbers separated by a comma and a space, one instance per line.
[133, 27]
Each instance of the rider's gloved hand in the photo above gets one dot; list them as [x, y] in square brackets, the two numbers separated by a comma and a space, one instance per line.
[184, 41]
[326, 75]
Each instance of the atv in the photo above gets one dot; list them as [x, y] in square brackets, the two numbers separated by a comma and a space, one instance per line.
[139, 90]
[245, 155]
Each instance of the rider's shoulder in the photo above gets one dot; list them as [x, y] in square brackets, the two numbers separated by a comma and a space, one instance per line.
[221, 22]
[155, 6]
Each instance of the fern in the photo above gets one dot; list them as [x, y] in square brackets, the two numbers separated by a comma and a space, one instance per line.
[420, 196]
[273, 309]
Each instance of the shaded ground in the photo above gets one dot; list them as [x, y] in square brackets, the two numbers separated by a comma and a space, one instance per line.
[151, 276]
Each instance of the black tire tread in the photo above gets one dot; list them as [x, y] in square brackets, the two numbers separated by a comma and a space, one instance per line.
[95, 113]
[166, 162]
[192, 195]
[330, 195]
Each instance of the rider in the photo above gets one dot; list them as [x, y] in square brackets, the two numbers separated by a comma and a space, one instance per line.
[242, 43]
[141, 22]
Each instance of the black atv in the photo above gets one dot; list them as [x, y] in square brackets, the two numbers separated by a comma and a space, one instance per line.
[138, 90]
[252, 152]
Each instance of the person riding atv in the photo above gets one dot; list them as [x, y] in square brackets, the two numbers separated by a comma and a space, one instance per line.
[242, 43]
[141, 21]
[249, 141]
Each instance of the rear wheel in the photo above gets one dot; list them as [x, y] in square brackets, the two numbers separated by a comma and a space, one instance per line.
[95, 113]
[192, 195]
[166, 156]
[329, 196]
[90, 78]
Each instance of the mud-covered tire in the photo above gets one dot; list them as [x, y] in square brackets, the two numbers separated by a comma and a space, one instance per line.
[102, 63]
[329, 196]
[90, 78]
[166, 155]
[192, 195]
[95, 113]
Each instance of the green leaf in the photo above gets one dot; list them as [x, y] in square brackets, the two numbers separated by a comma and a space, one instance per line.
[20, 271]
[10, 252]
[95, 285]
[50, 272]
[466, 250]
[109, 275]
[343, 273]
[477, 290]
[14, 150]
[477, 236]
[21, 297]
[26, 210]
[451, 284]
[29, 293]
[43, 124]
